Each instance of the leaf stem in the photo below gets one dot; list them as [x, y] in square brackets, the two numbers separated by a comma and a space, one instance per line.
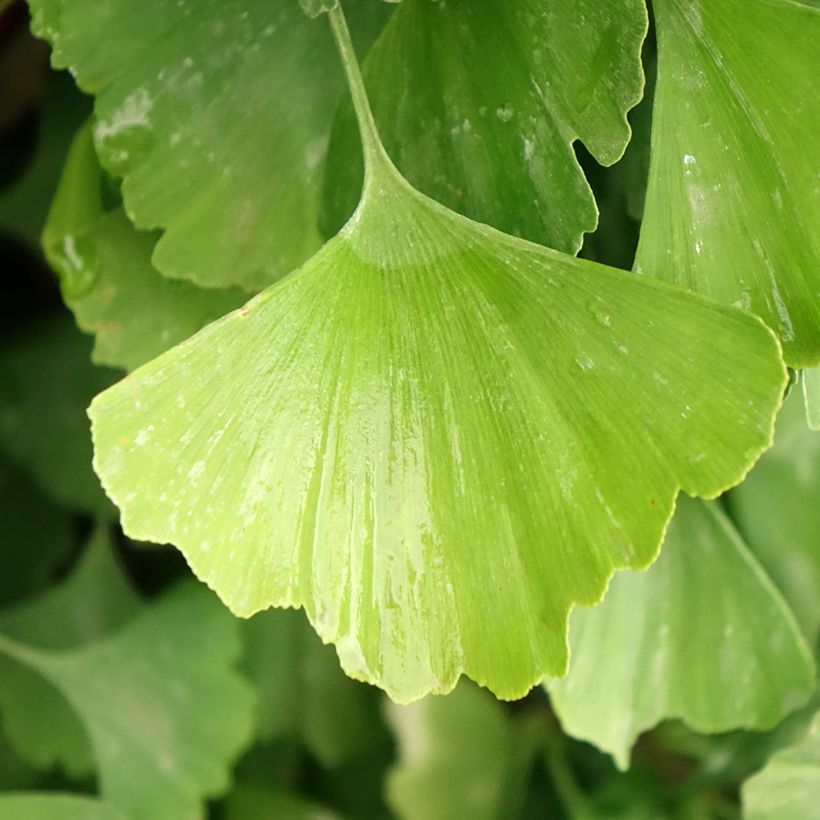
[563, 779]
[21, 653]
[375, 157]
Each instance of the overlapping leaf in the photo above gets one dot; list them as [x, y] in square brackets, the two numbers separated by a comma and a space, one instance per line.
[702, 635]
[733, 203]
[479, 101]
[811, 394]
[788, 788]
[217, 116]
[777, 511]
[163, 709]
[107, 277]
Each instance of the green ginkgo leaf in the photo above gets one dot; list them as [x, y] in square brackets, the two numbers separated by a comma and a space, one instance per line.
[51, 806]
[457, 757]
[217, 116]
[164, 710]
[106, 274]
[436, 438]
[92, 602]
[811, 396]
[733, 203]
[777, 510]
[788, 788]
[702, 635]
[479, 102]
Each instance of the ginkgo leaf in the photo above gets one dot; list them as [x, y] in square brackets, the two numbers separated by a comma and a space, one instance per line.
[456, 757]
[164, 710]
[436, 438]
[106, 274]
[302, 693]
[702, 635]
[777, 510]
[479, 102]
[788, 787]
[217, 116]
[733, 201]
[46, 380]
[51, 806]
[811, 396]
[94, 601]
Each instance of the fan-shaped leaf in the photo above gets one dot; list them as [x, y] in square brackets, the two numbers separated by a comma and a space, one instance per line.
[702, 635]
[733, 201]
[811, 394]
[479, 101]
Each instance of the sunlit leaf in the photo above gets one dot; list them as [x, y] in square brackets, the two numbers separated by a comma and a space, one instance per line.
[217, 116]
[94, 601]
[479, 102]
[702, 635]
[303, 694]
[788, 788]
[50, 806]
[777, 510]
[811, 395]
[107, 277]
[455, 759]
[165, 713]
[733, 202]
[46, 381]
[436, 438]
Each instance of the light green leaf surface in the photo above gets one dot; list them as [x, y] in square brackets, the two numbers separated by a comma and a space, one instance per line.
[46, 381]
[733, 203]
[811, 396]
[164, 710]
[106, 274]
[302, 693]
[51, 806]
[702, 635]
[479, 102]
[94, 601]
[788, 788]
[436, 438]
[454, 757]
[777, 510]
[217, 116]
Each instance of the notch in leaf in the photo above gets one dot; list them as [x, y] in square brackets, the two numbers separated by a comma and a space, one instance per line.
[436, 438]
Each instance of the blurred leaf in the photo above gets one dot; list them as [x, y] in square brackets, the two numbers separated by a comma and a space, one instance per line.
[479, 102]
[788, 788]
[49, 806]
[811, 396]
[217, 116]
[733, 200]
[164, 710]
[702, 635]
[46, 382]
[777, 510]
[457, 757]
[433, 437]
[249, 802]
[302, 692]
[93, 602]
[106, 274]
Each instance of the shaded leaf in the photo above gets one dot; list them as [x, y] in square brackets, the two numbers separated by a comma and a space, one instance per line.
[702, 635]
[46, 381]
[94, 601]
[788, 788]
[217, 116]
[50, 806]
[106, 274]
[777, 510]
[436, 438]
[479, 102]
[455, 757]
[733, 200]
[811, 395]
[165, 713]
[250, 802]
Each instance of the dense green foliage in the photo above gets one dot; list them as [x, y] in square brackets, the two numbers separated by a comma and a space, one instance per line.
[481, 338]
